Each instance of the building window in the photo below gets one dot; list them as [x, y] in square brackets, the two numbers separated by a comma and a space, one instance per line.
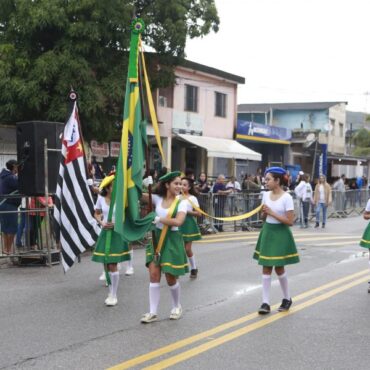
[165, 97]
[220, 106]
[341, 129]
[332, 126]
[191, 98]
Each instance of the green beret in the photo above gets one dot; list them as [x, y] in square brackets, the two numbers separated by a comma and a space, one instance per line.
[169, 176]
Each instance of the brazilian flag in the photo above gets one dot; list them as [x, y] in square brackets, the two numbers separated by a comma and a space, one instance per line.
[129, 170]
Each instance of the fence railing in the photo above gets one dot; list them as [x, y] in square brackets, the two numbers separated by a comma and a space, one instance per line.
[344, 204]
[34, 237]
[26, 235]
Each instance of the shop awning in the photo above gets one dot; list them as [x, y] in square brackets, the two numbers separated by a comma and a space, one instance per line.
[222, 148]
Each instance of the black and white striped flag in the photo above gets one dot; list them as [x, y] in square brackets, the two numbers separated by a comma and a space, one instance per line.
[76, 226]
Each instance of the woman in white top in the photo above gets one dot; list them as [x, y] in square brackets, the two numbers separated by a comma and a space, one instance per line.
[168, 257]
[189, 229]
[275, 246]
[304, 193]
[118, 250]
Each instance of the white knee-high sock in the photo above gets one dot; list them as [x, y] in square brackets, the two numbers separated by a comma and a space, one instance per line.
[154, 296]
[193, 265]
[369, 263]
[114, 277]
[175, 294]
[283, 279]
[130, 263]
[110, 287]
[266, 287]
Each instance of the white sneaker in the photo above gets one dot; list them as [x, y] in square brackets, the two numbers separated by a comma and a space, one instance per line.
[108, 298]
[148, 318]
[129, 271]
[111, 301]
[102, 277]
[176, 313]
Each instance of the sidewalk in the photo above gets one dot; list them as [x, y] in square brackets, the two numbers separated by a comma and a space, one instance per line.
[351, 224]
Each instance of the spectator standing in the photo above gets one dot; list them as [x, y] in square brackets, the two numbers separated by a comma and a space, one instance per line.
[258, 178]
[36, 218]
[249, 184]
[202, 185]
[304, 193]
[9, 220]
[23, 225]
[98, 170]
[189, 173]
[233, 185]
[340, 193]
[220, 193]
[322, 199]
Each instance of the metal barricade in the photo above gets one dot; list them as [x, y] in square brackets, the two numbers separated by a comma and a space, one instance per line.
[229, 205]
[27, 236]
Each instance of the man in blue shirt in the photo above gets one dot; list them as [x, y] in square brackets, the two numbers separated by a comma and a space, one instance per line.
[9, 219]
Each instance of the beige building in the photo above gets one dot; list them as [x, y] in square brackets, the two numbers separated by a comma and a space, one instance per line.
[197, 119]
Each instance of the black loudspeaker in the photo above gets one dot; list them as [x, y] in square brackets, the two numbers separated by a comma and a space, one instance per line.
[30, 152]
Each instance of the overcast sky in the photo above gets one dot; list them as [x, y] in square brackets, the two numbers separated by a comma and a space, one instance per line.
[292, 50]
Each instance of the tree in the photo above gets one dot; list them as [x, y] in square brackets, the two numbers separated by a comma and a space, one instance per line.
[47, 46]
[362, 142]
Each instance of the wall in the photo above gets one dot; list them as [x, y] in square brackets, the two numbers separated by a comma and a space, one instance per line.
[204, 121]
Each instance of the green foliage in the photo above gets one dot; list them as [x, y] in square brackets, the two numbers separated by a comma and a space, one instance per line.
[47, 46]
[362, 143]
[362, 138]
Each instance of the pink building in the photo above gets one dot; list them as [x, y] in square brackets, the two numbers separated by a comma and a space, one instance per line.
[197, 119]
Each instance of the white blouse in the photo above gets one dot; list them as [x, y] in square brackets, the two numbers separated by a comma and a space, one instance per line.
[163, 212]
[279, 206]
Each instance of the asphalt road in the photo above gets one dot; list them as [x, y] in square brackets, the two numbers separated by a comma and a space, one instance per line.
[54, 321]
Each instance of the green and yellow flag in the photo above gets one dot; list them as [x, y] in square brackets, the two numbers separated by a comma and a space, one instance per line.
[129, 170]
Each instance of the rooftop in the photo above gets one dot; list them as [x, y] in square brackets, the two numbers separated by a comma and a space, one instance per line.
[265, 107]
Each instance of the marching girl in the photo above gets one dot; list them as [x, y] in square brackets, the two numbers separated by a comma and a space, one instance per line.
[169, 259]
[119, 249]
[189, 229]
[275, 246]
[365, 241]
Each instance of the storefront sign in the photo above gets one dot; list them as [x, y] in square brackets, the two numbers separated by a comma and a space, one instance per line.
[99, 150]
[114, 148]
[247, 130]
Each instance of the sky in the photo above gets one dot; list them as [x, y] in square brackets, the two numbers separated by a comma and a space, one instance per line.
[292, 50]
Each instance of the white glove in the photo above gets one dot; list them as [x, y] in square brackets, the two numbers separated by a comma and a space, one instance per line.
[90, 182]
[156, 220]
[148, 181]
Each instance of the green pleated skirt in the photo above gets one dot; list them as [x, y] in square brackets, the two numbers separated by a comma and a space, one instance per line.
[118, 251]
[365, 240]
[173, 258]
[276, 246]
[190, 230]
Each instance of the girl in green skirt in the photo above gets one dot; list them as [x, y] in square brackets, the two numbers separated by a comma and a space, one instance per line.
[365, 241]
[189, 229]
[168, 253]
[275, 246]
[119, 249]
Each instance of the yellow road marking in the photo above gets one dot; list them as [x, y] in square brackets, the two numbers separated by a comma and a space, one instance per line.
[355, 241]
[298, 239]
[251, 327]
[250, 233]
[218, 329]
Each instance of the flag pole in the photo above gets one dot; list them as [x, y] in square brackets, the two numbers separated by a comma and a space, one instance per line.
[147, 150]
[73, 98]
